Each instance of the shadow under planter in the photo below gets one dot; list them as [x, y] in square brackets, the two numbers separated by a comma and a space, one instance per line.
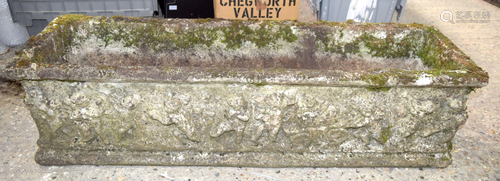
[243, 93]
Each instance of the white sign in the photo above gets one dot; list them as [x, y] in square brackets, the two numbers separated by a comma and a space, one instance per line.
[172, 7]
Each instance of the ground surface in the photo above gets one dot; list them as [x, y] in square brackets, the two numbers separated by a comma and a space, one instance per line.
[476, 151]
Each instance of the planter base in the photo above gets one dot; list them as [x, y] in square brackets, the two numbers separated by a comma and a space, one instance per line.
[247, 159]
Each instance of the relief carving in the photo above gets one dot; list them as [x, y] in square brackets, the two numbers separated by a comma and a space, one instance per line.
[269, 115]
[236, 117]
[75, 132]
[171, 112]
[108, 114]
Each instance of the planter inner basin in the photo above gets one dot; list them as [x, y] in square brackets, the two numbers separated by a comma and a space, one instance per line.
[139, 91]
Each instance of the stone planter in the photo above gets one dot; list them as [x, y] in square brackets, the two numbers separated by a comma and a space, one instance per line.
[243, 93]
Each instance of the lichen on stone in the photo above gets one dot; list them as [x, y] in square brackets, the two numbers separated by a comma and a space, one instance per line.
[382, 55]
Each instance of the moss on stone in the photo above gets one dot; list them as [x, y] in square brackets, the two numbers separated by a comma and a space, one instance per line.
[203, 20]
[23, 63]
[259, 84]
[386, 134]
[378, 89]
[56, 51]
[434, 49]
[450, 145]
[147, 34]
[105, 67]
[377, 80]
[437, 52]
[239, 33]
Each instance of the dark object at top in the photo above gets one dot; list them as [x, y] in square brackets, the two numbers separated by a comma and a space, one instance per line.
[187, 8]
[496, 3]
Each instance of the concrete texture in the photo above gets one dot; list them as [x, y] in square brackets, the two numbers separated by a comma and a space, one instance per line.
[476, 150]
[213, 124]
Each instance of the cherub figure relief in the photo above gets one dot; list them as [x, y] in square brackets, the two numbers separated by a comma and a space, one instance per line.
[171, 113]
[269, 115]
[235, 118]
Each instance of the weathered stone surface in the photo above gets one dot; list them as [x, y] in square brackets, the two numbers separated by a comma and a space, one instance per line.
[296, 121]
[243, 93]
[85, 48]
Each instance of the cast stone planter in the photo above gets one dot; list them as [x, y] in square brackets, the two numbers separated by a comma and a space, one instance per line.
[138, 91]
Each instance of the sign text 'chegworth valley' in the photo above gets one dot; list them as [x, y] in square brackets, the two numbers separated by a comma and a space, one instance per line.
[263, 9]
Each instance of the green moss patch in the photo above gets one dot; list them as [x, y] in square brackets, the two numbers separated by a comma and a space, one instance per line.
[259, 84]
[267, 34]
[347, 39]
[151, 34]
[386, 134]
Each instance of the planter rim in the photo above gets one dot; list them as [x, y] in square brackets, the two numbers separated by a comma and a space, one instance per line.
[25, 67]
[261, 77]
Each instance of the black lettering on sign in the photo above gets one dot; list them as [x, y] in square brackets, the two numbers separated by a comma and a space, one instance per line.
[269, 13]
[251, 14]
[248, 2]
[236, 12]
[245, 14]
[225, 3]
[261, 16]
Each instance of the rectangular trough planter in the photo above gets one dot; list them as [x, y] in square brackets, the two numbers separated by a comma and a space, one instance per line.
[138, 91]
